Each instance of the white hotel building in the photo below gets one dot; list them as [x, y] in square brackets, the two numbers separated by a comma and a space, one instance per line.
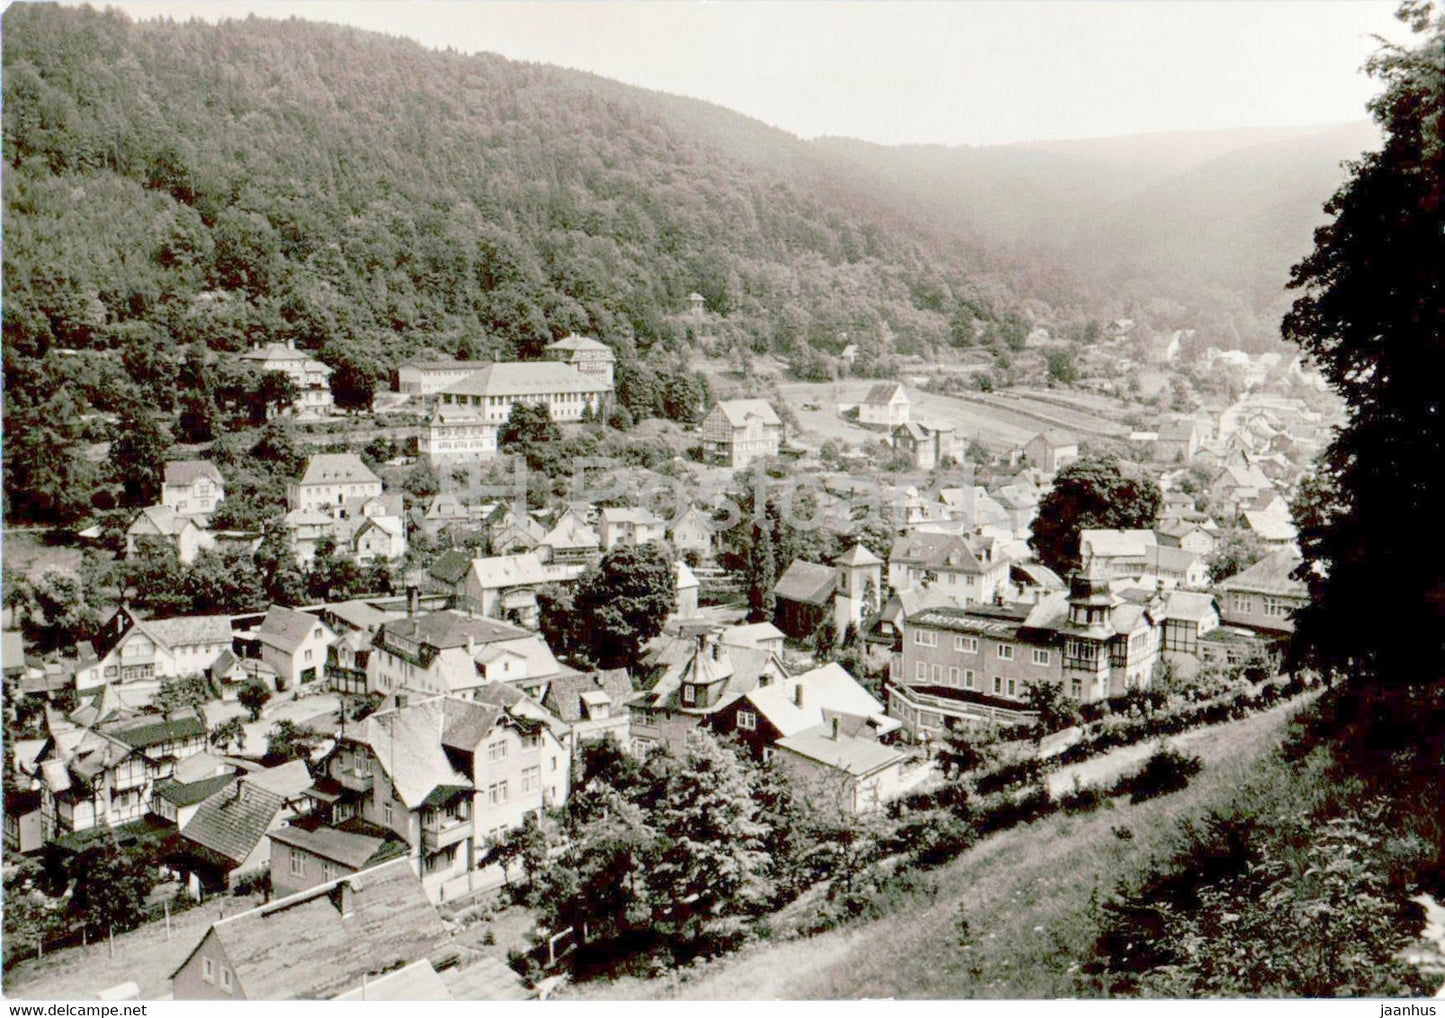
[468, 414]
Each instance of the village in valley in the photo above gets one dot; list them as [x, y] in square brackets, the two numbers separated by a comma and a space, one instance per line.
[834, 580]
[478, 528]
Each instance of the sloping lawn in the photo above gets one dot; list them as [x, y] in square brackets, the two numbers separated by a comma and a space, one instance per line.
[1025, 895]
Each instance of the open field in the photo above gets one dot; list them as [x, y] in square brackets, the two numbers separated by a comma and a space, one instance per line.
[997, 423]
[1025, 894]
[24, 552]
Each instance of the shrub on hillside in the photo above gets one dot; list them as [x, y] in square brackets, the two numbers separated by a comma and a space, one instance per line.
[1166, 771]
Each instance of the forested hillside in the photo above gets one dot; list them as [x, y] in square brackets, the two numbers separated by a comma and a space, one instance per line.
[1190, 230]
[358, 193]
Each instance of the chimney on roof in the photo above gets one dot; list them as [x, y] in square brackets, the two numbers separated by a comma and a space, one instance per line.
[291, 344]
[412, 596]
[471, 645]
[798, 694]
[835, 730]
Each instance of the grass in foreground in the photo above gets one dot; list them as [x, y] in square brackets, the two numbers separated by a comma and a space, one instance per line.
[1027, 896]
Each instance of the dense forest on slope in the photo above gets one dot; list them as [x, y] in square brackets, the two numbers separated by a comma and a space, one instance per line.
[368, 197]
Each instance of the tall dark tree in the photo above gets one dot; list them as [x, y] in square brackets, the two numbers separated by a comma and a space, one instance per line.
[1090, 493]
[1371, 314]
[623, 601]
[353, 387]
[138, 455]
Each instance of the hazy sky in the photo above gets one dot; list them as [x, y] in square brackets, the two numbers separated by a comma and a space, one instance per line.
[948, 72]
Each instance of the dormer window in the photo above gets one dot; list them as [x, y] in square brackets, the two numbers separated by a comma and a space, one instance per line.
[689, 694]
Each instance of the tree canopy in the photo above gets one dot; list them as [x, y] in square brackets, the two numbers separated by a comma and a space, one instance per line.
[1089, 494]
[1371, 314]
[623, 602]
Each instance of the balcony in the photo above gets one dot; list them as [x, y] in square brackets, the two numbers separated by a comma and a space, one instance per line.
[449, 831]
[353, 781]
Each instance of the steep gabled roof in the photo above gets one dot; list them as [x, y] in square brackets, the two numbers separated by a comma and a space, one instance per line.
[884, 393]
[807, 583]
[233, 821]
[564, 693]
[1270, 575]
[187, 472]
[952, 552]
[737, 411]
[287, 629]
[338, 468]
[302, 947]
[829, 688]
[409, 744]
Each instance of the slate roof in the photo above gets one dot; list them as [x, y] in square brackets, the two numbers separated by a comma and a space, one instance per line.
[737, 411]
[741, 669]
[446, 629]
[187, 630]
[233, 821]
[450, 567]
[850, 754]
[164, 520]
[178, 794]
[572, 531]
[807, 583]
[417, 981]
[1270, 575]
[337, 468]
[630, 514]
[829, 688]
[276, 354]
[1116, 543]
[950, 552]
[350, 849]
[564, 693]
[497, 571]
[750, 635]
[526, 378]
[487, 978]
[288, 780]
[858, 556]
[148, 730]
[409, 743]
[1188, 606]
[286, 629]
[883, 392]
[301, 947]
[186, 472]
[1038, 575]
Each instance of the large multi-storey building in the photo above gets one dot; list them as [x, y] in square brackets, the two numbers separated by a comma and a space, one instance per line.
[566, 392]
[738, 431]
[968, 566]
[443, 774]
[978, 662]
[330, 480]
[455, 653]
